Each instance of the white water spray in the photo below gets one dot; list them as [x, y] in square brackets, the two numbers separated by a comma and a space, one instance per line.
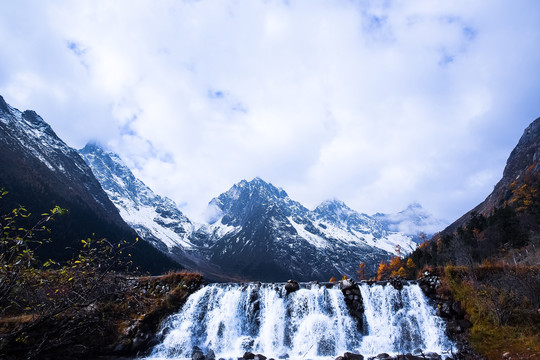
[311, 323]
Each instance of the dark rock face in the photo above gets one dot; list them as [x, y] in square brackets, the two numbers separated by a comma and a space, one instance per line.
[353, 300]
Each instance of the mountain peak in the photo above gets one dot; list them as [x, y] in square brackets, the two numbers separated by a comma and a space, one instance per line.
[414, 206]
[92, 147]
[4, 107]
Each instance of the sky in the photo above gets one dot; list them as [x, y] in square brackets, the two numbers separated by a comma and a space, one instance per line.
[377, 103]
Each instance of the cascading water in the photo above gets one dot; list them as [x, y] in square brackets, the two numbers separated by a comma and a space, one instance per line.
[311, 323]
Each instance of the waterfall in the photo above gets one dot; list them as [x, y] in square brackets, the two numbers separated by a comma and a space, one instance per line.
[311, 323]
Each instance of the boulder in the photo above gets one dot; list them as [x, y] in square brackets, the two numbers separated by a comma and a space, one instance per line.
[197, 354]
[383, 356]
[248, 355]
[458, 310]
[432, 356]
[259, 357]
[347, 284]
[291, 286]
[353, 356]
[397, 283]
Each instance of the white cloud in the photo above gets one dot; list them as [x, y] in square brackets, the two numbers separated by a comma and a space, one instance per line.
[377, 103]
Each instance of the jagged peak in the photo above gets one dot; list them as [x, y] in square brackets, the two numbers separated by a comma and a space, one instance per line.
[92, 146]
[414, 206]
[333, 203]
[4, 107]
[256, 184]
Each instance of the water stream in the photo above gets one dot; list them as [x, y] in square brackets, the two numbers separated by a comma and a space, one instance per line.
[311, 323]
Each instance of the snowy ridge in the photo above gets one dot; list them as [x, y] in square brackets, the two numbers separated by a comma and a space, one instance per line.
[155, 218]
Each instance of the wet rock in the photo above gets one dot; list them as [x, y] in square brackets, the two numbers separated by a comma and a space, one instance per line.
[382, 356]
[197, 354]
[353, 356]
[347, 284]
[210, 355]
[432, 356]
[340, 358]
[248, 355]
[259, 357]
[291, 286]
[397, 283]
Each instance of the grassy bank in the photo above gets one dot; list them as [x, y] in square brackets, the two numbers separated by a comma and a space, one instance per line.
[502, 304]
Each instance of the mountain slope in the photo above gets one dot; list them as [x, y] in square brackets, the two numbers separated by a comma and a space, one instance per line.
[507, 220]
[40, 171]
[157, 219]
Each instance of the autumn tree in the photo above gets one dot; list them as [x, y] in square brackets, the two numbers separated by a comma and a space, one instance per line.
[361, 271]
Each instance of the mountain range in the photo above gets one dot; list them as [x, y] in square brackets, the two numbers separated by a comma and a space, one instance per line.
[258, 232]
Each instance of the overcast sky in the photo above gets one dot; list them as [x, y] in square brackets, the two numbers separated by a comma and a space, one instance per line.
[376, 103]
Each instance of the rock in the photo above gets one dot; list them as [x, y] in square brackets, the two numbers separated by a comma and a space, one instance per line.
[352, 356]
[249, 355]
[340, 358]
[382, 356]
[347, 284]
[210, 355]
[197, 354]
[433, 356]
[465, 324]
[291, 286]
[458, 309]
[396, 283]
[260, 357]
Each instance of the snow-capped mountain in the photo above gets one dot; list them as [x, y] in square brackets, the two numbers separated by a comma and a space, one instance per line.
[33, 140]
[40, 171]
[270, 236]
[256, 230]
[156, 219]
[413, 221]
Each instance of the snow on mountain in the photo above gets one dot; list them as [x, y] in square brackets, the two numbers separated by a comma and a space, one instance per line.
[338, 220]
[269, 233]
[412, 221]
[33, 139]
[40, 171]
[156, 219]
[255, 230]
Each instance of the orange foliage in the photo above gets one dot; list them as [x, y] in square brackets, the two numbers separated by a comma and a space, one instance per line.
[361, 271]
